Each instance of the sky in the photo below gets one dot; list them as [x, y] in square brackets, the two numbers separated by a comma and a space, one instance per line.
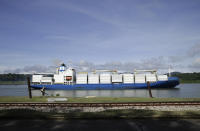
[91, 34]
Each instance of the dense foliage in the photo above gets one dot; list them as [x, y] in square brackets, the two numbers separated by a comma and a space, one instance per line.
[14, 77]
[188, 77]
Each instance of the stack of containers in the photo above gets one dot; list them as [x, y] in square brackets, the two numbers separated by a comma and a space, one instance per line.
[162, 78]
[151, 78]
[117, 78]
[81, 78]
[105, 78]
[139, 78]
[128, 78]
[93, 78]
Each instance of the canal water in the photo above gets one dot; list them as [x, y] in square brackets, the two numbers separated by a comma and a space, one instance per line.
[183, 91]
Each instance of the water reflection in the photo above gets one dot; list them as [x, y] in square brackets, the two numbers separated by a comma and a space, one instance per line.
[111, 93]
[183, 90]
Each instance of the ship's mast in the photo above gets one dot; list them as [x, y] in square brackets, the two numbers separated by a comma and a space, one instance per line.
[169, 70]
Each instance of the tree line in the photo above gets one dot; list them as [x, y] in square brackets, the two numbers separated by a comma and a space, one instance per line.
[188, 77]
[14, 77]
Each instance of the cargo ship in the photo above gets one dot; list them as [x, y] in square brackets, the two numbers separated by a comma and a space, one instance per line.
[68, 79]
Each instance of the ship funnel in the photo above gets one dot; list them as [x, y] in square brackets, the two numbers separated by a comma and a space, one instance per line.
[62, 68]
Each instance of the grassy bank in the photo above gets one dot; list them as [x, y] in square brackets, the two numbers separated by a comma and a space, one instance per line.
[131, 99]
[13, 82]
[22, 99]
[96, 99]
[109, 114]
[189, 81]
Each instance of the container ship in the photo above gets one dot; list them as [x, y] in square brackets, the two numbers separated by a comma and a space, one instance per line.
[68, 79]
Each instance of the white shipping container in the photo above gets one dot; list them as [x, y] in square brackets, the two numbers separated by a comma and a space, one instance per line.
[105, 78]
[81, 78]
[162, 77]
[128, 78]
[81, 82]
[117, 78]
[58, 79]
[93, 79]
[36, 78]
[81, 75]
[93, 82]
[140, 78]
[46, 80]
[151, 78]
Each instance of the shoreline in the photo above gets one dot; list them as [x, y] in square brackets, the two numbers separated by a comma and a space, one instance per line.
[13, 82]
[92, 99]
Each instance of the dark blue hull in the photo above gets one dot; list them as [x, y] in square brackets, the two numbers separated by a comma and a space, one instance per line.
[172, 82]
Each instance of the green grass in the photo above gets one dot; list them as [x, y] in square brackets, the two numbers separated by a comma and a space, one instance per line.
[96, 99]
[13, 82]
[129, 99]
[109, 114]
[22, 99]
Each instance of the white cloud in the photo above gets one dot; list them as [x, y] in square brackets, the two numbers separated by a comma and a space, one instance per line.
[161, 64]
[195, 66]
[31, 69]
[194, 50]
[177, 58]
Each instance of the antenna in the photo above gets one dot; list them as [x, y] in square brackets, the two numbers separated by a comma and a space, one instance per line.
[69, 64]
[169, 70]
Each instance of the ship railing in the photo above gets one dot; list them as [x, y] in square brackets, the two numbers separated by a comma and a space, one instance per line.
[98, 71]
[151, 71]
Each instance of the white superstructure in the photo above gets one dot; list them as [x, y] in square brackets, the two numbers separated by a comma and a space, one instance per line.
[58, 78]
[65, 76]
